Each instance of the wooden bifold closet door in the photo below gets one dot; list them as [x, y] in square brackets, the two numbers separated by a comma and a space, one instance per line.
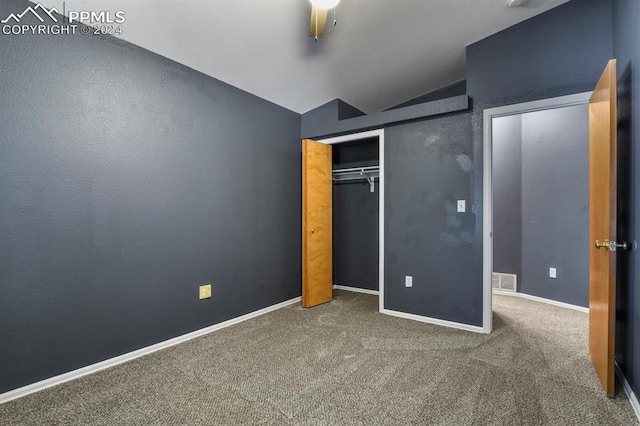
[317, 187]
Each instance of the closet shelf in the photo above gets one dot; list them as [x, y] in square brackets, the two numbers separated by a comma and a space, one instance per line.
[369, 173]
[340, 175]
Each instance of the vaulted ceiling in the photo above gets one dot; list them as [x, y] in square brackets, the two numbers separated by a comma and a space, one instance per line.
[381, 53]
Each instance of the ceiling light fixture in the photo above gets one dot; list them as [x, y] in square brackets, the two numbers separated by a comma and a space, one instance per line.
[325, 4]
[319, 11]
[516, 3]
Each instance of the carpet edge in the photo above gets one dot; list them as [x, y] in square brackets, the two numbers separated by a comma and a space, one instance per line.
[629, 391]
[129, 356]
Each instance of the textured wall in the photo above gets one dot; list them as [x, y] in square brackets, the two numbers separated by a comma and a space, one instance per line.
[336, 117]
[456, 89]
[355, 235]
[555, 204]
[127, 180]
[626, 44]
[559, 52]
[428, 166]
[507, 194]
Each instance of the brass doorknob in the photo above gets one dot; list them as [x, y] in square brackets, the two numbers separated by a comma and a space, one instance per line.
[611, 245]
[313, 231]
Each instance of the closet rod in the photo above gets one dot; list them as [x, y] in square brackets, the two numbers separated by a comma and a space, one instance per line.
[369, 173]
[358, 169]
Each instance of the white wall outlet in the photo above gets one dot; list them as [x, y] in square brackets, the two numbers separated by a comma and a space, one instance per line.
[408, 281]
[552, 273]
[462, 206]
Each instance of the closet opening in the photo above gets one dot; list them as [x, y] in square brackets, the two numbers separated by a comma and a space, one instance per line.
[356, 200]
[358, 212]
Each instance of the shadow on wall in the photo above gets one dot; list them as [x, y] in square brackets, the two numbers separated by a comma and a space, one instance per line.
[626, 226]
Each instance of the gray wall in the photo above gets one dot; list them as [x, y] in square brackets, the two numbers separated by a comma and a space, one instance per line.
[456, 89]
[555, 204]
[127, 181]
[356, 222]
[507, 194]
[356, 227]
[328, 119]
[428, 166]
[626, 45]
[560, 52]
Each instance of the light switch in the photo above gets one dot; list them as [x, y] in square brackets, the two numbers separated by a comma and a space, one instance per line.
[408, 281]
[552, 272]
[462, 206]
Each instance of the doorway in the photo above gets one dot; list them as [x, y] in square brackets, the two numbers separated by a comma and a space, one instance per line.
[350, 161]
[497, 119]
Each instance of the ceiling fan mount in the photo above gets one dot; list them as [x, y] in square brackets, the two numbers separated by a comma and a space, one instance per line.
[319, 12]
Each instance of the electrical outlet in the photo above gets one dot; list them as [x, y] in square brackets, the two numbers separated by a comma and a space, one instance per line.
[408, 281]
[552, 273]
[205, 291]
[462, 206]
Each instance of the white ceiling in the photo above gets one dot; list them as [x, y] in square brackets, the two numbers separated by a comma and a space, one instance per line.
[381, 53]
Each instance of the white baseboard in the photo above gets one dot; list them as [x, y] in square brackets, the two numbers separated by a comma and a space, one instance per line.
[435, 321]
[542, 300]
[90, 369]
[630, 394]
[356, 289]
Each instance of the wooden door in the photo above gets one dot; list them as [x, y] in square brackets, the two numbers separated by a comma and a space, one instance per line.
[317, 256]
[602, 226]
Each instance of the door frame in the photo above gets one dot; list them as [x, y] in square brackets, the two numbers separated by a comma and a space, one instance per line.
[487, 207]
[379, 133]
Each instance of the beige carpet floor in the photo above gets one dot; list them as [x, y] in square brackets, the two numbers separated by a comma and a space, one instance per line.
[343, 363]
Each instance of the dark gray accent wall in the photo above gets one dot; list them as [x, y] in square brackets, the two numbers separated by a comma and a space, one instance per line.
[326, 120]
[555, 204]
[360, 153]
[346, 111]
[626, 45]
[456, 89]
[429, 165]
[356, 219]
[126, 181]
[313, 122]
[356, 224]
[559, 52]
[507, 194]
